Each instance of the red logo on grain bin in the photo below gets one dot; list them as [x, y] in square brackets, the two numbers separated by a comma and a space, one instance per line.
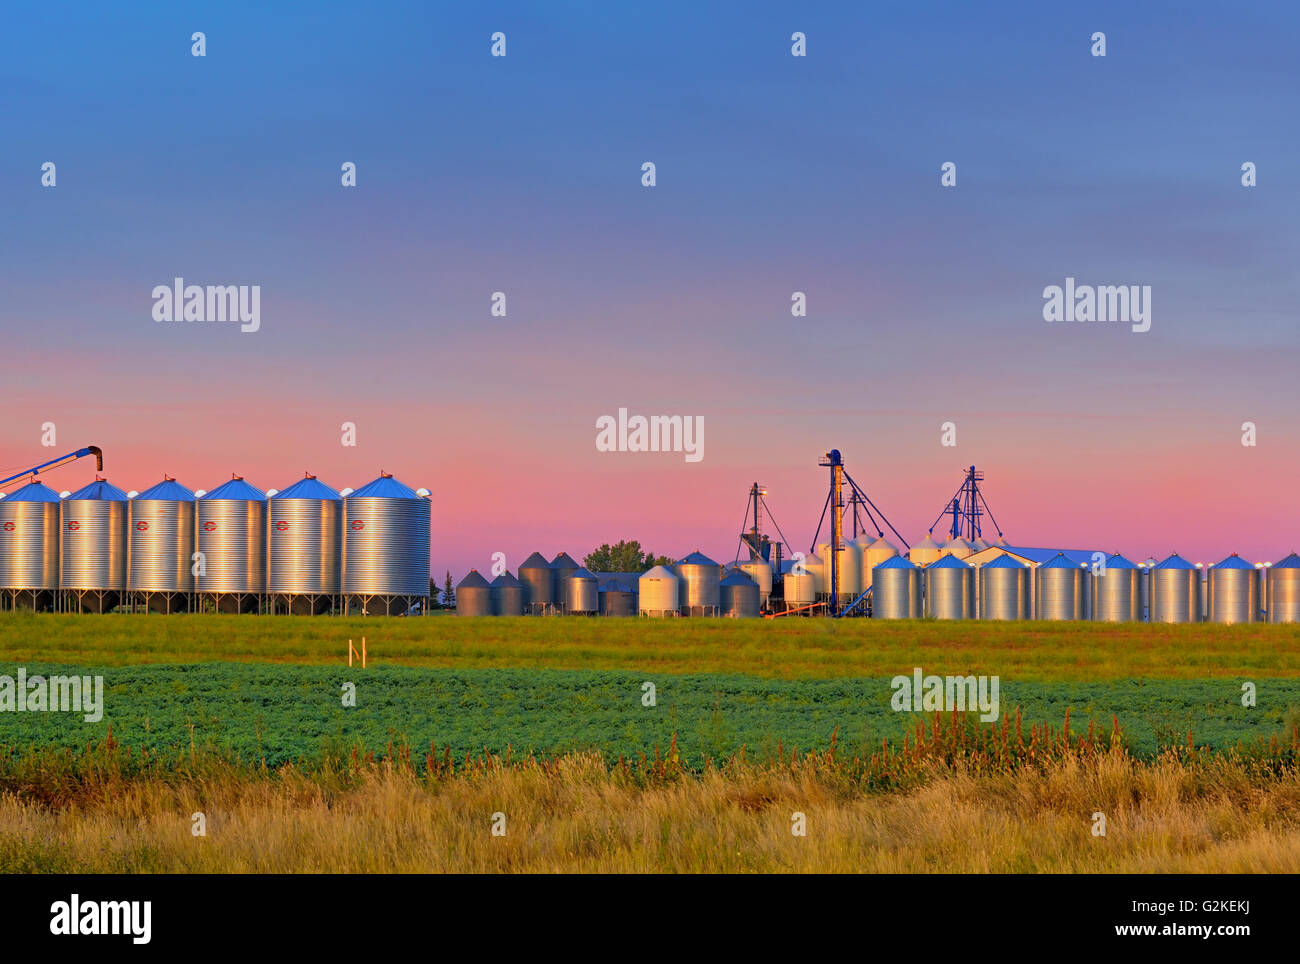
[141, 527]
[74, 526]
[209, 526]
[357, 525]
[9, 527]
[281, 526]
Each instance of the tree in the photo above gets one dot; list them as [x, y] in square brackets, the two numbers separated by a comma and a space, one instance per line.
[448, 594]
[623, 556]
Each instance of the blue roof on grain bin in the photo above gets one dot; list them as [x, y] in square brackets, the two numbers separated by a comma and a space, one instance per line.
[168, 490]
[99, 490]
[897, 562]
[1290, 562]
[1119, 562]
[1005, 562]
[695, 559]
[308, 488]
[1234, 561]
[1061, 561]
[1174, 562]
[236, 490]
[33, 492]
[946, 562]
[384, 487]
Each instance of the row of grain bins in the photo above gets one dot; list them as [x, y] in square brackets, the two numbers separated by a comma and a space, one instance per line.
[692, 586]
[1062, 588]
[306, 548]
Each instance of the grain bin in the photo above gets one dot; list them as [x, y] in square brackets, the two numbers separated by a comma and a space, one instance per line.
[738, 596]
[1004, 589]
[385, 547]
[507, 596]
[539, 584]
[92, 547]
[29, 546]
[618, 598]
[561, 566]
[700, 578]
[850, 566]
[925, 552]
[304, 539]
[800, 585]
[160, 559]
[760, 570]
[581, 593]
[1061, 590]
[231, 535]
[1284, 590]
[659, 591]
[896, 589]
[957, 546]
[1117, 591]
[1175, 591]
[949, 589]
[878, 552]
[1234, 591]
[811, 565]
[473, 596]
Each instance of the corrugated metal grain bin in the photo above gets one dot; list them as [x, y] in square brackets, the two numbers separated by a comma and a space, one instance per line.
[850, 570]
[386, 540]
[507, 596]
[473, 596]
[1234, 591]
[581, 593]
[161, 529]
[538, 580]
[1061, 590]
[700, 576]
[925, 552]
[800, 585]
[957, 546]
[618, 598]
[561, 567]
[896, 590]
[1117, 591]
[739, 596]
[659, 591]
[1175, 591]
[29, 538]
[92, 550]
[1284, 590]
[304, 537]
[760, 570]
[949, 589]
[231, 535]
[1004, 589]
[878, 552]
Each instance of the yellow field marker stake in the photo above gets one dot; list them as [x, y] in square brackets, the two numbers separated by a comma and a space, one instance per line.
[352, 651]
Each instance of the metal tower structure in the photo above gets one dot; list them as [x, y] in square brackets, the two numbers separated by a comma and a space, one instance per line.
[967, 507]
[760, 545]
[835, 500]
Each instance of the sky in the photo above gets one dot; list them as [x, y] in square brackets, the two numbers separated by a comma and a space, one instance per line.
[775, 174]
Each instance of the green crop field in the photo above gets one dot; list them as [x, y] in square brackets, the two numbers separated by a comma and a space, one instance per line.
[789, 648]
[271, 688]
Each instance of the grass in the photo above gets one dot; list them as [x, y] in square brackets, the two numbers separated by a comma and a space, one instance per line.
[783, 649]
[952, 799]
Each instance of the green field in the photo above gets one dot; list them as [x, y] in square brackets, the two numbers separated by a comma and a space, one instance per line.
[270, 688]
[772, 649]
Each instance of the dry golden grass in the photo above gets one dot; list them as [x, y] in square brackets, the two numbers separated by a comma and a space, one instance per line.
[574, 814]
